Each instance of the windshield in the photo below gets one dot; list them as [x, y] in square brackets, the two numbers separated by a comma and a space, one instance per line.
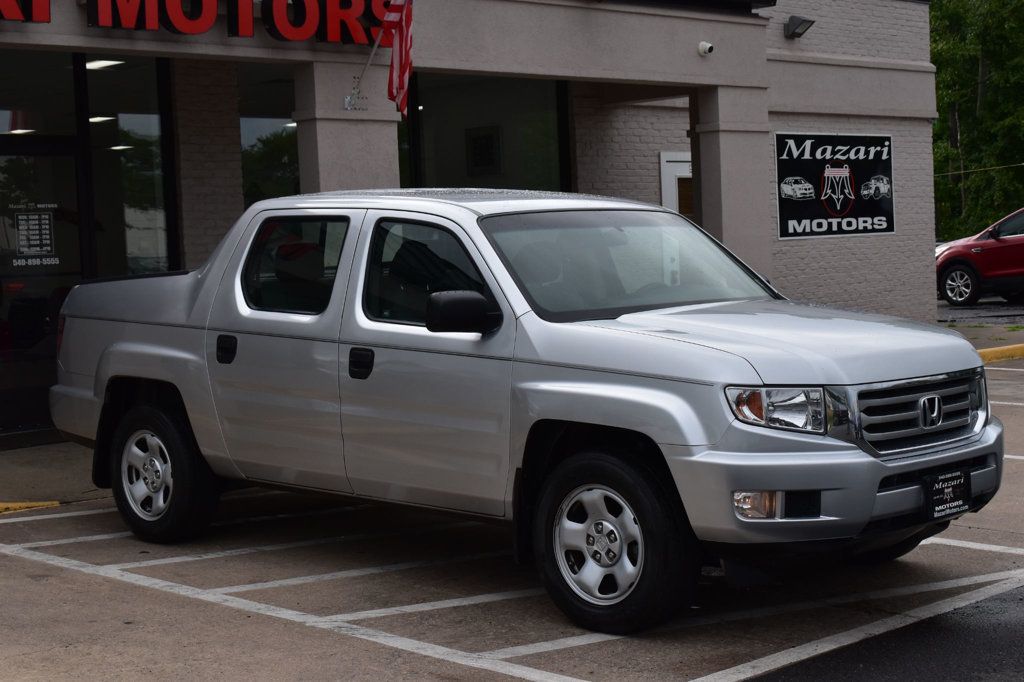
[586, 265]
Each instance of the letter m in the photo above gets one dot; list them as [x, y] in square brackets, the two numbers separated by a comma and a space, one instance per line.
[794, 152]
[133, 14]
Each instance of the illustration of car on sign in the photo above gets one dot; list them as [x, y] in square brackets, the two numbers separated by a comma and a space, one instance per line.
[877, 187]
[796, 188]
[600, 374]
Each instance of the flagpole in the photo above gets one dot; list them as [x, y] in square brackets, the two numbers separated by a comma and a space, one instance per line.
[350, 100]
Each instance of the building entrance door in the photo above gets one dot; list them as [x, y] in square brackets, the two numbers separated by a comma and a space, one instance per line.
[40, 260]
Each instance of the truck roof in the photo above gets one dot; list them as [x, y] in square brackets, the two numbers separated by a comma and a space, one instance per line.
[480, 201]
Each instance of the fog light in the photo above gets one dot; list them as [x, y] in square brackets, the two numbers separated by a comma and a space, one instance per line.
[755, 505]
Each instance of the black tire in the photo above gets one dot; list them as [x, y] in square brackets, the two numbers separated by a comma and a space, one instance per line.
[668, 565]
[952, 284]
[187, 502]
[890, 553]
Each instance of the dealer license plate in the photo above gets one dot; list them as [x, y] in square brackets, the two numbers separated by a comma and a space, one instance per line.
[947, 494]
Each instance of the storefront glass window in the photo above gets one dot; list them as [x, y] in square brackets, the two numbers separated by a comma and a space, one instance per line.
[36, 94]
[128, 180]
[475, 131]
[270, 146]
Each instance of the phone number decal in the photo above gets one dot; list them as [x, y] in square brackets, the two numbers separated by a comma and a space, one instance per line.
[28, 262]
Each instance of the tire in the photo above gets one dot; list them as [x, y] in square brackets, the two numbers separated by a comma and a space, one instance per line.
[890, 553]
[163, 487]
[638, 529]
[960, 286]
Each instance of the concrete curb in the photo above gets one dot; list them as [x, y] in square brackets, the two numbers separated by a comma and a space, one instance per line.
[1013, 352]
[11, 507]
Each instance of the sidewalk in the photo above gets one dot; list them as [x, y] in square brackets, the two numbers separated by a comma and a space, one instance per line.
[61, 472]
[990, 335]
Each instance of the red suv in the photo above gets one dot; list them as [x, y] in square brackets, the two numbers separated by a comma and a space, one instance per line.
[989, 262]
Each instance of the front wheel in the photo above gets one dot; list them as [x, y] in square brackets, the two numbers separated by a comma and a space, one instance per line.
[163, 488]
[960, 286]
[613, 549]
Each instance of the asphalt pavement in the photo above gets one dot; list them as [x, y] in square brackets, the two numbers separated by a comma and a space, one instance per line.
[288, 585]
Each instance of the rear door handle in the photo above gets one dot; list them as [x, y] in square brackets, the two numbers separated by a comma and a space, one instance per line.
[360, 363]
[227, 348]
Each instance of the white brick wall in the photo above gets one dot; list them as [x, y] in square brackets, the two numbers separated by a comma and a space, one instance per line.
[618, 147]
[205, 100]
[892, 274]
[880, 29]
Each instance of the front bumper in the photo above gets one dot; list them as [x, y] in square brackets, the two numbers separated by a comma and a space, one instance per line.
[860, 495]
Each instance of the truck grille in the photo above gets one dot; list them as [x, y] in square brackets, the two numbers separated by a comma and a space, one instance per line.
[891, 419]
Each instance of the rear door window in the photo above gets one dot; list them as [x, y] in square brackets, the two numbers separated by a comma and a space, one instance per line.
[293, 263]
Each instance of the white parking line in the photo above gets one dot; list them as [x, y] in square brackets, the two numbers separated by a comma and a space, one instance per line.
[818, 647]
[749, 614]
[72, 541]
[383, 638]
[1002, 549]
[990, 368]
[430, 606]
[286, 545]
[1013, 457]
[353, 573]
[997, 402]
[64, 515]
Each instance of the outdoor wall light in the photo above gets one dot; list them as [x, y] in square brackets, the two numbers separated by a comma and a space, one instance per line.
[21, 131]
[100, 119]
[797, 26]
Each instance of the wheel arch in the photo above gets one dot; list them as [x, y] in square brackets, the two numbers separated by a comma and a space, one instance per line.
[551, 441]
[119, 396]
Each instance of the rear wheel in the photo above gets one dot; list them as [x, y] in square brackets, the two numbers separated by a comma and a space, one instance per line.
[163, 487]
[960, 286]
[612, 547]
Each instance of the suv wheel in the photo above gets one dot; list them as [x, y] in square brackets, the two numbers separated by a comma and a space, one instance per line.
[960, 286]
[162, 486]
[611, 546]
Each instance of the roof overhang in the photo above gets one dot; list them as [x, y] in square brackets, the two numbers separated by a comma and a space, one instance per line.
[730, 6]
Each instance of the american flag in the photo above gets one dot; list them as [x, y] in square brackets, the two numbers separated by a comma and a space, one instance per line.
[398, 21]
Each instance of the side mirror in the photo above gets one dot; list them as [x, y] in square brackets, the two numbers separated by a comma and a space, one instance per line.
[994, 234]
[461, 311]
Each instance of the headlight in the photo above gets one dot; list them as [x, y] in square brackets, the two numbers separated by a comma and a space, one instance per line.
[795, 409]
[941, 249]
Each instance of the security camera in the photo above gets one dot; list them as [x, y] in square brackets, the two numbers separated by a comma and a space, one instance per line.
[705, 48]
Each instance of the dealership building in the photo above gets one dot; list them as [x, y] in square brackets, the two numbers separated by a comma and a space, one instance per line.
[134, 132]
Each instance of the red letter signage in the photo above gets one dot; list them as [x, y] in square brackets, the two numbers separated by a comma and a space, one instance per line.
[337, 18]
[280, 26]
[240, 20]
[177, 20]
[35, 11]
[134, 14]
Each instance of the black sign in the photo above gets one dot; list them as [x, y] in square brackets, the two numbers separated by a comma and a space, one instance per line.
[947, 494]
[834, 185]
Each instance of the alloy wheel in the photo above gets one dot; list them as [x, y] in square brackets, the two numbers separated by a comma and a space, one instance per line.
[958, 286]
[146, 475]
[598, 544]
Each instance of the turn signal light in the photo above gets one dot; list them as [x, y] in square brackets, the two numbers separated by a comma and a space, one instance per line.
[760, 504]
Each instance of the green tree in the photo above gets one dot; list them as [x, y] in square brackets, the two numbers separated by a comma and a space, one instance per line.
[270, 167]
[978, 51]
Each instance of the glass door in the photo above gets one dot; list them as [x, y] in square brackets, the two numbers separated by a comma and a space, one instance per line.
[40, 260]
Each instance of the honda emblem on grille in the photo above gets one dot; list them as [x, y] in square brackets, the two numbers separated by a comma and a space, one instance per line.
[929, 411]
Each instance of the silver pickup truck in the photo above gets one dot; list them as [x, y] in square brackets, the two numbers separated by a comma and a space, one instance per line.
[600, 373]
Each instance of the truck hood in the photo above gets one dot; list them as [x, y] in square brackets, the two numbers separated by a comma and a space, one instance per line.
[790, 343]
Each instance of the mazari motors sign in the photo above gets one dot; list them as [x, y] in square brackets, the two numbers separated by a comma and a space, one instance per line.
[833, 185]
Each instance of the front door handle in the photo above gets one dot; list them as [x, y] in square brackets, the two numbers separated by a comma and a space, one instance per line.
[977, 249]
[360, 363]
[227, 348]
